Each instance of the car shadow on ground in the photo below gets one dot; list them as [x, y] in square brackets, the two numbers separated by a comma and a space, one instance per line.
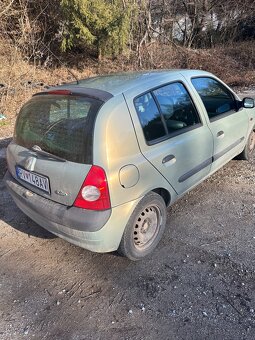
[3, 145]
[15, 218]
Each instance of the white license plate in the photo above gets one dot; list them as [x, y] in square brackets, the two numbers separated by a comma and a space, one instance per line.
[34, 179]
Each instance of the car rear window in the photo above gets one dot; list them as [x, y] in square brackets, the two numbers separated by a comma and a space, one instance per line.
[61, 125]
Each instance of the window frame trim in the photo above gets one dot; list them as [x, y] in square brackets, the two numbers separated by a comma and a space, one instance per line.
[174, 134]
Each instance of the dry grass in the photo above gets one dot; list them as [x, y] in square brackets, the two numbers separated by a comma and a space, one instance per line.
[235, 65]
[22, 79]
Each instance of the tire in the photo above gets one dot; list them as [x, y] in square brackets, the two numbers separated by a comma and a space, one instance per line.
[144, 228]
[247, 153]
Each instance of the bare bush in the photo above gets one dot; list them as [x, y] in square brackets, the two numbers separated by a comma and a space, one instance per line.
[31, 26]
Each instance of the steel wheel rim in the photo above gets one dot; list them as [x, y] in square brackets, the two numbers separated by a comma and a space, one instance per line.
[146, 227]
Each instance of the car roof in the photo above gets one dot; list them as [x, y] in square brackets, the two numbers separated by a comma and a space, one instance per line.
[117, 83]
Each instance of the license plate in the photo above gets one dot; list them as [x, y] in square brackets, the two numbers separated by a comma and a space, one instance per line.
[34, 179]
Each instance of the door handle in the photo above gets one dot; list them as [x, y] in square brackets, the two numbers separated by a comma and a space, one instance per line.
[220, 134]
[169, 159]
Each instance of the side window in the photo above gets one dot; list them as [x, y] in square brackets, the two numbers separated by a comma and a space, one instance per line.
[176, 106]
[216, 98]
[150, 117]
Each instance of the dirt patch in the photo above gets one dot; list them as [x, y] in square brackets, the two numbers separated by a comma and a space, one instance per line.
[198, 284]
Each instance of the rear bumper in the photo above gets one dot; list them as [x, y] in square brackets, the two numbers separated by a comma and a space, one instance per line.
[98, 231]
[70, 217]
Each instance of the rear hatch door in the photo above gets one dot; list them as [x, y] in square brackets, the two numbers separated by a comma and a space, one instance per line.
[53, 144]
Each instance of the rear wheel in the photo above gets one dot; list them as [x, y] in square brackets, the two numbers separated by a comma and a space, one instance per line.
[144, 228]
[247, 153]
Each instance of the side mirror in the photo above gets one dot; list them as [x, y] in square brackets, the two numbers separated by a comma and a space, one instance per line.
[248, 103]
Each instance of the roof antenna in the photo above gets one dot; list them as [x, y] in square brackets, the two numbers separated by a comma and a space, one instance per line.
[63, 64]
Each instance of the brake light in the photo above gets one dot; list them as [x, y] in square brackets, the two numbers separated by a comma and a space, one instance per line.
[60, 92]
[94, 192]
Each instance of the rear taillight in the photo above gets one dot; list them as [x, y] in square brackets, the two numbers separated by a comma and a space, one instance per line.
[94, 192]
[60, 92]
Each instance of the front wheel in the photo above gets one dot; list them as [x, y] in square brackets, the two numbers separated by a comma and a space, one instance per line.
[144, 228]
[247, 153]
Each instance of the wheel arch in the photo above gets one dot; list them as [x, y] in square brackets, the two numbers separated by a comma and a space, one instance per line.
[165, 194]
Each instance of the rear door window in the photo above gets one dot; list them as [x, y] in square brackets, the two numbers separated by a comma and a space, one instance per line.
[176, 106]
[62, 125]
[150, 117]
[166, 112]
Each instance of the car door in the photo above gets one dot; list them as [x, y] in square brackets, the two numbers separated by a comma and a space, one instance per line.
[172, 136]
[228, 125]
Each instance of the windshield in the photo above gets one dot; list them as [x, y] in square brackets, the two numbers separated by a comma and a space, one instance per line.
[61, 125]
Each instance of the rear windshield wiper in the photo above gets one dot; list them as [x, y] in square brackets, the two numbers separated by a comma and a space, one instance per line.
[39, 151]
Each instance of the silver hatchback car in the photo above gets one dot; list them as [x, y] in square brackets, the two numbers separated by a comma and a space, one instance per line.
[98, 161]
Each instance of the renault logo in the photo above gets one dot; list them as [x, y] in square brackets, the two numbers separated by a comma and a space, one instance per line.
[30, 163]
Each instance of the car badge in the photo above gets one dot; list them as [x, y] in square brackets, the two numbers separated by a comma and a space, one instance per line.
[30, 163]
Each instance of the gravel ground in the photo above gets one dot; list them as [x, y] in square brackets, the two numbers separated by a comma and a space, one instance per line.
[198, 284]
